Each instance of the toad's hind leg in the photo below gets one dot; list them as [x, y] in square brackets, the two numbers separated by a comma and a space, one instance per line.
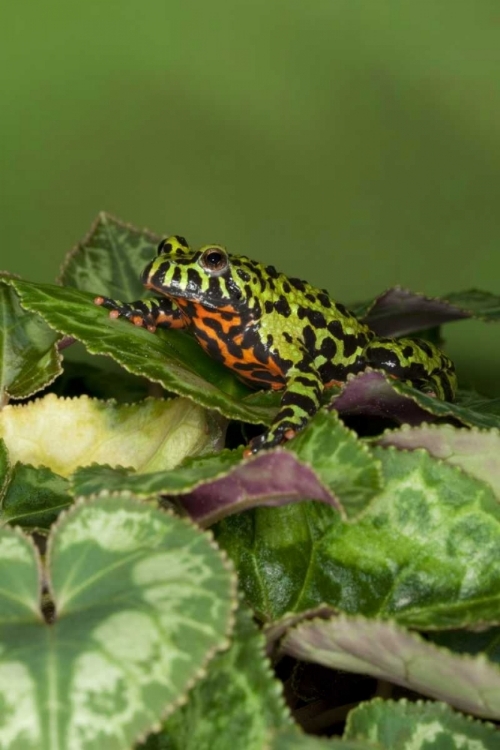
[417, 362]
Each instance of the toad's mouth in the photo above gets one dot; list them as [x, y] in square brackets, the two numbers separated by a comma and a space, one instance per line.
[210, 301]
[192, 287]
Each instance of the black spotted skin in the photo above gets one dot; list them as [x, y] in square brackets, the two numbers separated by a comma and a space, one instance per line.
[274, 331]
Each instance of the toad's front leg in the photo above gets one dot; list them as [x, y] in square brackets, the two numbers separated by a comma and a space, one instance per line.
[300, 401]
[145, 313]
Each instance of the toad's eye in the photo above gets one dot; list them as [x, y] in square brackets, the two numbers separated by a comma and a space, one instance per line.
[214, 260]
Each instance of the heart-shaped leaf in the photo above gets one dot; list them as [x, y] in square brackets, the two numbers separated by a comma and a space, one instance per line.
[142, 601]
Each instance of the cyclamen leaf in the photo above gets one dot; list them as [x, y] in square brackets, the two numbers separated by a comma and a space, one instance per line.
[142, 602]
[333, 467]
[4, 466]
[424, 552]
[144, 435]
[389, 652]
[394, 725]
[34, 497]
[486, 642]
[109, 259]
[325, 462]
[475, 451]
[374, 394]
[193, 472]
[399, 311]
[341, 461]
[274, 552]
[252, 707]
[476, 302]
[271, 478]
[104, 380]
[29, 360]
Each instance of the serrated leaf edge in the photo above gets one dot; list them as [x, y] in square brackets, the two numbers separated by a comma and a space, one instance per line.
[422, 295]
[439, 706]
[19, 532]
[103, 217]
[476, 659]
[226, 561]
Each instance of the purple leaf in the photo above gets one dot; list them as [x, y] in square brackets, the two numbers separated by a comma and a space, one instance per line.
[371, 395]
[271, 478]
[387, 651]
[399, 311]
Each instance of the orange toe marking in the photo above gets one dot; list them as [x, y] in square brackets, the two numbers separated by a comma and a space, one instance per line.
[289, 434]
[114, 314]
[332, 383]
[98, 300]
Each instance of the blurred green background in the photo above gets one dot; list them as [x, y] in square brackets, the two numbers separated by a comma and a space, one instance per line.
[353, 143]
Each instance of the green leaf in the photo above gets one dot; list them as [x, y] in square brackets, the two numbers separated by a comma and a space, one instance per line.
[341, 461]
[475, 451]
[477, 303]
[436, 529]
[424, 552]
[142, 602]
[389, 652]
[252, 705]
[19, 604]
[4, 467]
[34, 497]
[411, 726]
[484, 418]
[470, 642]
[479, 403]
[29, 359]
[274, 552]
[109, 259]
[171, 358]
[89, 480]
[64, 434]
